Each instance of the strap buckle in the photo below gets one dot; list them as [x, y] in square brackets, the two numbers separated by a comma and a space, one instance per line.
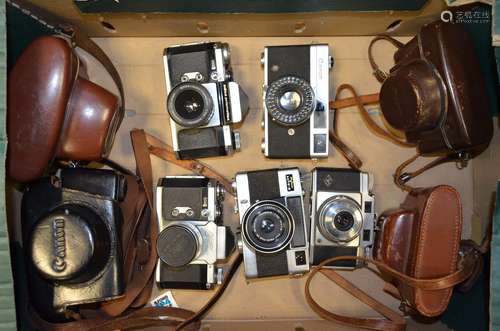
[67, 31]
[405, 177]
[380, 75]
[463, 160]
[406, 308]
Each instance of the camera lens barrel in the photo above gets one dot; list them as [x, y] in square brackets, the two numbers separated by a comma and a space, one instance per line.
[340, 219]
[190, 105]
[267, 226]
[290, 100]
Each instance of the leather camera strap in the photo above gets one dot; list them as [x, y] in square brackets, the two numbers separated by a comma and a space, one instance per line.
[379, 74]
[77, 37]
[359, 101]
[391, 321]
[401, 178]
[160, 149]
[141, 281]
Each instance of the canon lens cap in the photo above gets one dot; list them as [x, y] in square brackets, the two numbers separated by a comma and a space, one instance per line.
[69, 243]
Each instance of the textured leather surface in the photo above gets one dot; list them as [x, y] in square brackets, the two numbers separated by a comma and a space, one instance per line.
[54, 112]
[440, 101]
[413, 97]
[396, 232]
[90, 128]
[422, 241]
[39, 86]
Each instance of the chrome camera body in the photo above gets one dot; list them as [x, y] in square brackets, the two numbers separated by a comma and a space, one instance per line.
[342, 216]
[192, 239]
[203, 100]
[273, 236]
[296, 101]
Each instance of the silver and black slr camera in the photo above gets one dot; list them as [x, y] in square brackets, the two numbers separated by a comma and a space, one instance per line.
[273, 229]
[296, 86]
[203, 100]
[342, 217]
[192, 238]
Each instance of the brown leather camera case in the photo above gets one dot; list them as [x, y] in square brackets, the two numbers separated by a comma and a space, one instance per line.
[54, 112]
[436, 93]
[422, 240]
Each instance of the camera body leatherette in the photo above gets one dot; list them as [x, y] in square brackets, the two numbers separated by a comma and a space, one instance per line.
[422, 239]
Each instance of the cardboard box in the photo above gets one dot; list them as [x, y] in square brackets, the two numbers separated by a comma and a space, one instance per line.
[136, 46]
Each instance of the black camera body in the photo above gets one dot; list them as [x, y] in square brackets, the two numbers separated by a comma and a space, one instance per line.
[273, 226]
[296, 101]
[342, 216]
[193, 238]
[203, 100]
[71, 226]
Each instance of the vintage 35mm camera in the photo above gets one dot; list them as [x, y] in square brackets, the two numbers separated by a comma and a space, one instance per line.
[273, 229]
[296, 101]
[71, 228]
[203, 100]
[342, 215]
[192, 238]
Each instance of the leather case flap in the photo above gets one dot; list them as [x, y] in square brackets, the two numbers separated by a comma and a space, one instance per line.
[435, 244]
[450, 48]
[39, 86]
[91, 123]
[444, 106]
[394, 238]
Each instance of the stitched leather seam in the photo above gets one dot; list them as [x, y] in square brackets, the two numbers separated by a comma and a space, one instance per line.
[452, 267]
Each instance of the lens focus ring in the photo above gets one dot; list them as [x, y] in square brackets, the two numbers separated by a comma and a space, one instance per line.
[290, 100]
[190, 105]
[267, 226]
[340, 219]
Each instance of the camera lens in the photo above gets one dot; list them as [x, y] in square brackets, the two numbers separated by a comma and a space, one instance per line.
[267, 226]
[290, 100]
[190, 105]
[340, 219]
[177, 245]
[344, 221]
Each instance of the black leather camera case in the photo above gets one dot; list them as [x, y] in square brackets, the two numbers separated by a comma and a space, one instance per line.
[71, 232]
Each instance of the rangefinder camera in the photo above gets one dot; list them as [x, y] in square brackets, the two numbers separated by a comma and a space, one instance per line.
[193, 238]
[342, 216]
[203, 100]
[296, 100]
[273, 236]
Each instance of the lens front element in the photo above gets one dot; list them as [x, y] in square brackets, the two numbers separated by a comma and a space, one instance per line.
[340, 219]
[267, 226]
[190, 105]
[290, 100]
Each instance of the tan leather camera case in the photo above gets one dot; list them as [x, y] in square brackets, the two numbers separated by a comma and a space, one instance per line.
[422, 240]
[54, 111]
